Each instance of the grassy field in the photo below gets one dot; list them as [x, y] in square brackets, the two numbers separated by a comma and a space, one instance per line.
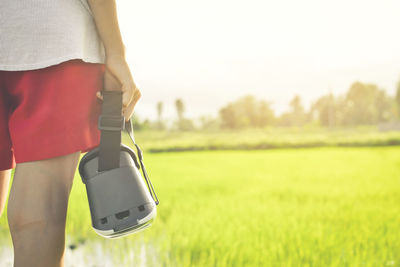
[303, 207]
[252, 139]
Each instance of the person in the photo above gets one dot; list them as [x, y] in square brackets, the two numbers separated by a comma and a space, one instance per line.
[55, 57]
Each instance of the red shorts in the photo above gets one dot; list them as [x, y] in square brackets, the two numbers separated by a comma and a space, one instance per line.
[49, 112]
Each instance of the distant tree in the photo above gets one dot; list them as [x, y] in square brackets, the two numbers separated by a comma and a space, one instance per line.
[265, 114]
[296, 116]
[180, 108]
[385, 106]
[341, 108]
[325, 110]
[362, 104]
[296, 105]
[360, 100]
[398, 99]
[138, 125]
[209, 123]
[160, 125]
[182, 124]
[367, 104]
[285, 119]
[185, 125]
[228, 116]
[159, 110]
[246, 112]
[297, 110]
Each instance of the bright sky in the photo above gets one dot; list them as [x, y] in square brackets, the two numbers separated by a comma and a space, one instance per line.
[210, 52]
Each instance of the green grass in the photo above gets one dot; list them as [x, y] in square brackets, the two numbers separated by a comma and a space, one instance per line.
[303, 207]
[252, 139]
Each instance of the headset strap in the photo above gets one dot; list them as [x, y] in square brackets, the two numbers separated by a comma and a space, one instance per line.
[111, 123]
[129, 130]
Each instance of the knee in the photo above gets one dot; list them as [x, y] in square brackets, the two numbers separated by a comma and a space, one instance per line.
[48, 211]
[19, 222]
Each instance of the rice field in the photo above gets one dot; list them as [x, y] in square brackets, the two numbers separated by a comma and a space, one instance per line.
[267, 138]
[286, 207]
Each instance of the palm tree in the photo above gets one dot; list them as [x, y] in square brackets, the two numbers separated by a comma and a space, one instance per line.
[180, 108]
[159, 110]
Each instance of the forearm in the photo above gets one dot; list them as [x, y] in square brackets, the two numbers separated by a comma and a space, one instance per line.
[105, 16]
[118, 74]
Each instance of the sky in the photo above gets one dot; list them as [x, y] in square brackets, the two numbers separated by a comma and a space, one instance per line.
[211, 52]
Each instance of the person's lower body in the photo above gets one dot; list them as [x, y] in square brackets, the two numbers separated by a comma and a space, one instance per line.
[47, 117]
[37, 210]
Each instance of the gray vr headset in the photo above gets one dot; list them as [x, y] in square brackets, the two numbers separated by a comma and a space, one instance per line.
[120, 202]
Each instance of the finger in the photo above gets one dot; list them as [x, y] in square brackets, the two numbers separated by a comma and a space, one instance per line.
[128, 111]
[99, 95]
[127, 95]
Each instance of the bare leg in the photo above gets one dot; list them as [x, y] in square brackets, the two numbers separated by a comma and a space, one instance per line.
[4, 182]
[37, 210]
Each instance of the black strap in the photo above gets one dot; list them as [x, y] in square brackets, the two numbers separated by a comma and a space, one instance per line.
[111, 123]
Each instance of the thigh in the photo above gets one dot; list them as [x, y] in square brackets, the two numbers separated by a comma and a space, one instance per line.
[40, 190]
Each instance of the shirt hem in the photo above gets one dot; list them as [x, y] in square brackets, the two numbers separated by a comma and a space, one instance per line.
[51, 62]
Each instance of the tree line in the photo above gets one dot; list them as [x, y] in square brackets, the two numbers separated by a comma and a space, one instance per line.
[362, 104]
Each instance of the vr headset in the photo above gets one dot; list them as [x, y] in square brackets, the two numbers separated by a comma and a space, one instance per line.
[119, 200]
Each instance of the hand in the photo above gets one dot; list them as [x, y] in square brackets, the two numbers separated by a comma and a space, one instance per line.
[118, 77]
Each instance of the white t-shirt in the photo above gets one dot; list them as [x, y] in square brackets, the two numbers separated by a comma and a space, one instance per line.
[36, 34]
